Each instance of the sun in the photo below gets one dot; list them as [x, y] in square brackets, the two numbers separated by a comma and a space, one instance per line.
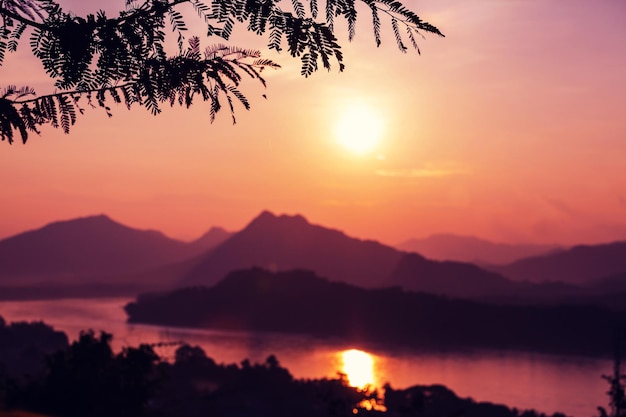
[359, 129]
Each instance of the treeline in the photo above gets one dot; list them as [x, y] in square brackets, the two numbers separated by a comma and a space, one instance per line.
[88, 379]
[301, 302]
[24, 345]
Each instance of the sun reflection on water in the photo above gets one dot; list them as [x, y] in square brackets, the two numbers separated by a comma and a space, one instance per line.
[360, 370]
[358, 367]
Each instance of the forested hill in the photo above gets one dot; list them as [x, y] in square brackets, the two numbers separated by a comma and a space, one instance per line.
[301, 302]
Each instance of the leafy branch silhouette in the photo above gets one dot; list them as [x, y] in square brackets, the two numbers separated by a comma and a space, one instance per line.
[96, 60]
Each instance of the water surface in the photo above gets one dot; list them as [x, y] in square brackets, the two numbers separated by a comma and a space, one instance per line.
[547, 383]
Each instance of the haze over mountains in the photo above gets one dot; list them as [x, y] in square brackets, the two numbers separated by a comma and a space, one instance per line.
[450, 247]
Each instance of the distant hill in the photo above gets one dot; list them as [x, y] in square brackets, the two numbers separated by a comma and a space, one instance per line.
[301, 302]
[211, 239]
[609, 292]
[464, 280]
[284, 242]
[449, 247]
[92, 246]
[578, 265]
[454, 279]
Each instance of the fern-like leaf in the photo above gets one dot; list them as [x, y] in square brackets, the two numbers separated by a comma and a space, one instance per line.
[409, 31]
[330, 13]
[375, 23]
[10, 119]
[314, 8]
[396, 32]
[65, 110]
[298, 8]
[15, 36]
[351, 16]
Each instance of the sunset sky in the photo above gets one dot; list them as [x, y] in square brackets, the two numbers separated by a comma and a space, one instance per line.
[511, 128]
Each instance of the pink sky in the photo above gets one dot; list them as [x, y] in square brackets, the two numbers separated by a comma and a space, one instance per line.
[511, 128]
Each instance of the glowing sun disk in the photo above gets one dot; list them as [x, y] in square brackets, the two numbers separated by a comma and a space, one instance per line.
[359, 129]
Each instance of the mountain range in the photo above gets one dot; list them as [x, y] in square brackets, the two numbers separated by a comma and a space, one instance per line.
[96, 255]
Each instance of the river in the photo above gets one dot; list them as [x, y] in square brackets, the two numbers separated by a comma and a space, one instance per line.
[547, 383]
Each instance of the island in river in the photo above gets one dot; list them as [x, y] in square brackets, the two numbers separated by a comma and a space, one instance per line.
[300, 302]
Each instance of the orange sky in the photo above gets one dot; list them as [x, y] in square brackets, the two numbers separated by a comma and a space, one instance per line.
[511, 128]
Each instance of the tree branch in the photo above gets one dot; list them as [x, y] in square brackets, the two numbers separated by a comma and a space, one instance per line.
[42, 26]
[131, 15]
[21, 19]
[69, 93]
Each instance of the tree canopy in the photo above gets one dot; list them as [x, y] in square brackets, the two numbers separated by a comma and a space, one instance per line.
[97, 60]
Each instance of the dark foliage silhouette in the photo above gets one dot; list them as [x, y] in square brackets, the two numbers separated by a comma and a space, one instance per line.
[88, 379]
[95, 60]
[23, 346]
[437, 400]
[617, 382]
[196, 385]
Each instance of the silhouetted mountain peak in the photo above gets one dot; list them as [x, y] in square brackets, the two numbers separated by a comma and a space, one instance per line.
[95, 220]
[286, 242]
[296, 218]
[99, 224]
[87, 245]
[286, 225]
[214, 230]
[213, 238]
[96, 217]
[267, 219]
[264, 216]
